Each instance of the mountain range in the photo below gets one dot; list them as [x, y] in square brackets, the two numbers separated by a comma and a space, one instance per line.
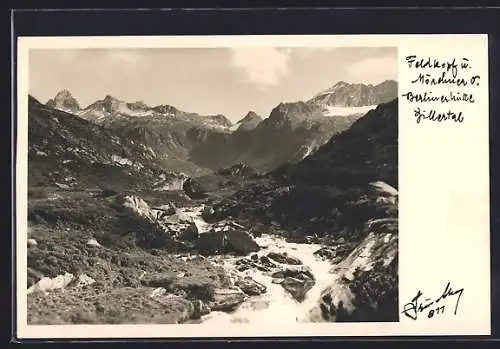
[199, 144]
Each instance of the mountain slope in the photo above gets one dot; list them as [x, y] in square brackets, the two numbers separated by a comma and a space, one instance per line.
[343, 94]
[68, 151]
[290, 133]
[249, 122]
[366, 151]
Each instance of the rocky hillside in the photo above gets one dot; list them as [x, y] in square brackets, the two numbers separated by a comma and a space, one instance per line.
[168, 133]
[367, 151]
[346, 95]
[68, 152]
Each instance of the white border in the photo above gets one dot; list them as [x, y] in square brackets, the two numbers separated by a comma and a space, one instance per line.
[420, 195]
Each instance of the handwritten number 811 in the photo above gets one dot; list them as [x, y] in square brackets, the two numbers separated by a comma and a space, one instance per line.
[438, 310]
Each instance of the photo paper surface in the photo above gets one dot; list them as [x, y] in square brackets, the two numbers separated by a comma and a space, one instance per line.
[250, 186]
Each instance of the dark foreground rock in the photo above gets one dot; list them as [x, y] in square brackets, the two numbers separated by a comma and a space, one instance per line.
[297, 288]
[367, 285]
[296, 281]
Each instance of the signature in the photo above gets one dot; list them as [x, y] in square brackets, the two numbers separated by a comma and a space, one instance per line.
[422, 305]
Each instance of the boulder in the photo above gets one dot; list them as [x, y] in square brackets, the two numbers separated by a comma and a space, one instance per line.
[298, 288]
[283, 258]
[297, 281]
[326, 253]
[50, 284]
[134, 205]
[250, 286]
[32, 243]
[299, 273]
[237, 241]
[93, 242]
[266, 262]
[227, 299]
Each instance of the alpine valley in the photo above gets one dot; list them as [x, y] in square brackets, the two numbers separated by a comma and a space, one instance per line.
[150, 214]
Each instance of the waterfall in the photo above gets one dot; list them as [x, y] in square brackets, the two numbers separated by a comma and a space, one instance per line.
[277, 304]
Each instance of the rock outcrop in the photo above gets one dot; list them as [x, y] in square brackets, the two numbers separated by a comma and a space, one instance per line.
[227, 299]
[250, 286]
[366, 283]
[236, 241]
[283, 258]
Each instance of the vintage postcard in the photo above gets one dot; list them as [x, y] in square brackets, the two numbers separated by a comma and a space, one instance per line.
[246, 186]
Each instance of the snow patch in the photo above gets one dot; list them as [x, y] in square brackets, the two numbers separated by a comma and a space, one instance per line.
[235, 126]
[48, 284]
[93, 242]
[332, 110]
[121, 161]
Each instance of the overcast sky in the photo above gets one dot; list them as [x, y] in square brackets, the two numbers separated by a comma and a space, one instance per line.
[207, 81]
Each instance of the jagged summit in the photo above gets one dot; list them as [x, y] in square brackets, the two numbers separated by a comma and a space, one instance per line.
[138, 105]
[344, 94]
[64, 101]
[250, 116]
[221, 120]
[249, 122]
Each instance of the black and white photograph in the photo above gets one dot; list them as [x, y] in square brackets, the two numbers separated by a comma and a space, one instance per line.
[212, 186]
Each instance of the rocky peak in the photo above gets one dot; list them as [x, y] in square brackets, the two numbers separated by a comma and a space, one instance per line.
[64, 101]
[138, 105]
[251, 116]
[221, 120]
[165, 109]
[110, 103]
[249, 122]
[291, 113]
[344, 94]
